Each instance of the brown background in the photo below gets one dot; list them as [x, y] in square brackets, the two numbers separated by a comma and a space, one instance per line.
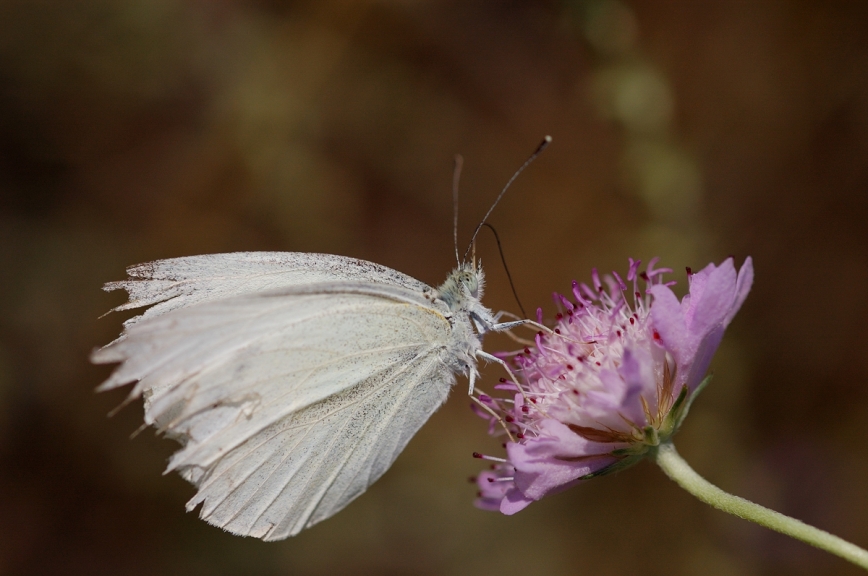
[131, 131]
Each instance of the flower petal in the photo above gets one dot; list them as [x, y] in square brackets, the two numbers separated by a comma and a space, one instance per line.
[742, 287]
[693, 332]
[513, 502]
[712, 292]
[556, 459]
[637, 370]
[668, 320]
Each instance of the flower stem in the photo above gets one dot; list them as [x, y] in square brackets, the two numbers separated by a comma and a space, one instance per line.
[678, 470]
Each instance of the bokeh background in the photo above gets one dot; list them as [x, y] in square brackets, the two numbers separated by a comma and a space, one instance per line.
[131, 131]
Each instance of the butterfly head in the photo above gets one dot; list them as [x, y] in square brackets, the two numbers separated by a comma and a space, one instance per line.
[463, 286]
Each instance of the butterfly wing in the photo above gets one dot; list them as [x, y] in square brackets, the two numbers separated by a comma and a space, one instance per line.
[288, 403]
[166, 285]
[308, 466]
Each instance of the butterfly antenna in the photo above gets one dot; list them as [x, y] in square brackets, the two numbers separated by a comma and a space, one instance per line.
[505, 267]
[543, 145]
[456, 176]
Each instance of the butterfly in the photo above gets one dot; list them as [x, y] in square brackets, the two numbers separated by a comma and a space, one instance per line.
[292, 380]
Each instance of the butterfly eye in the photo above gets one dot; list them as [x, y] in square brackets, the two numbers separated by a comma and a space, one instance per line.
[470, 282]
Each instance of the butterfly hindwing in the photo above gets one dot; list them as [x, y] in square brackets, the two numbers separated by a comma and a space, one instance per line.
[312, 463]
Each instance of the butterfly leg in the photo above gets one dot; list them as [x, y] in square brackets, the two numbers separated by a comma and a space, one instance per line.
[509, 333]
[481, 404]
[503, 326]
[488, 326]
[494, 415]
[491, 358]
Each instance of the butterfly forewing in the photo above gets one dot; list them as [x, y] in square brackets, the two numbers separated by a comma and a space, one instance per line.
[179, 282]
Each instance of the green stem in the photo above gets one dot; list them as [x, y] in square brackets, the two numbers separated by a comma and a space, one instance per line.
[678, 470]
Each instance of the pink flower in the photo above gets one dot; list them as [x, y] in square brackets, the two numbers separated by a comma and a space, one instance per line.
[615, 379]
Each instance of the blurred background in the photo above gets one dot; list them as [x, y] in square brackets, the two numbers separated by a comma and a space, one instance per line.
[132, 131]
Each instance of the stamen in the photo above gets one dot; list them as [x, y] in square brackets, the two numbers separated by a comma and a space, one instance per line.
[489, 458]
[595, 276]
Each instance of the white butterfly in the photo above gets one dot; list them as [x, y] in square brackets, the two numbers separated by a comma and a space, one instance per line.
[292, 380]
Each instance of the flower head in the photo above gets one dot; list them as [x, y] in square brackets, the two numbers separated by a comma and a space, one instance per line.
[614, 380]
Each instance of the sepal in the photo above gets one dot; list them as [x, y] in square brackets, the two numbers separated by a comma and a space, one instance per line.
[681, 407]
[622, 464]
